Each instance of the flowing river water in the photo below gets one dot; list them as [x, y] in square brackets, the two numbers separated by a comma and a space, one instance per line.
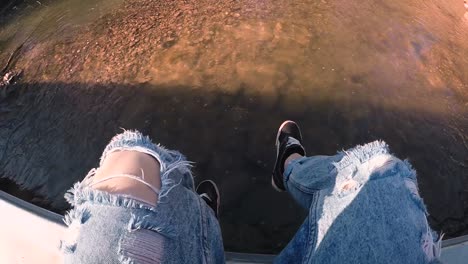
[214, 79]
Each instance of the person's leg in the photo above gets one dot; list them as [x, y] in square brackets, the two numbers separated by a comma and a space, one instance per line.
[136, 163]
[364, 207]
[120, 217]
[305, 176]
[301, 176]
[297, 249]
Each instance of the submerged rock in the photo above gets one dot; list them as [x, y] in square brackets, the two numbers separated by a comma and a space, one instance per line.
[8, 78]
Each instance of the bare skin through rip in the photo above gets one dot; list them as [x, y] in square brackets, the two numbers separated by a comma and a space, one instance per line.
[132, 163]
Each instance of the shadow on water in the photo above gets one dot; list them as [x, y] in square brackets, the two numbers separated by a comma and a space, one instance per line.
[51, 134]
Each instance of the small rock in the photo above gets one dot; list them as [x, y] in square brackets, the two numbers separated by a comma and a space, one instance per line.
[169, 42]
[8, 79]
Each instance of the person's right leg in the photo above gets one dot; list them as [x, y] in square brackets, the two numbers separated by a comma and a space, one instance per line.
[301, 176]
[364, 207]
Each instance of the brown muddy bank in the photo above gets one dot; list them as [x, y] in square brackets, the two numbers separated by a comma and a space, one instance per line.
[214, 79]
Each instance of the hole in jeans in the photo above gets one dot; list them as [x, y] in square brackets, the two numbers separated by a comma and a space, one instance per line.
[142, 246]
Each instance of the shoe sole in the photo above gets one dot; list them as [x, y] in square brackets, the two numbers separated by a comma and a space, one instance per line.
[275, 187]
[218, 200]
[277, 152]
[278, 133]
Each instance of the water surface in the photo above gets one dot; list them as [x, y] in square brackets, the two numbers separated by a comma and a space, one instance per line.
[214, 79]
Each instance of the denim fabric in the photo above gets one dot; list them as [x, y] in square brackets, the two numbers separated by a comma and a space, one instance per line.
[363, 206]
[109, 228]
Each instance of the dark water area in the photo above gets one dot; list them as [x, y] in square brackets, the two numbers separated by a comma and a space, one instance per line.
[6, 5]
[215, 83]
[229, 138]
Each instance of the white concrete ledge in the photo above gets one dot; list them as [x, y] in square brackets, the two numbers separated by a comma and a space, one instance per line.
[31, 234]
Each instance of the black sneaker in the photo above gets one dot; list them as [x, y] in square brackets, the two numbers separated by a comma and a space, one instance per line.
[209, 192]
[288, 142]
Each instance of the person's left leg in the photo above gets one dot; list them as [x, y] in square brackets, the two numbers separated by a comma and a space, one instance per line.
[133, 163]
[121, 216]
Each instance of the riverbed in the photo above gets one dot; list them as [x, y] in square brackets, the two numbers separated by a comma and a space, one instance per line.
[215, 79]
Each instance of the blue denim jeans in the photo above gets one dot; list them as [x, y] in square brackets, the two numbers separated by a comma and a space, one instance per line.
[109, 228]
[363, 206]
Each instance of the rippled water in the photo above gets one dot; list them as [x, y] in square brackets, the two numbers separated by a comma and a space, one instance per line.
[215, 79]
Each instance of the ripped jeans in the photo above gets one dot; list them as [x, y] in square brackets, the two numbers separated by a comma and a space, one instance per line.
[116, 228]
[363, 206]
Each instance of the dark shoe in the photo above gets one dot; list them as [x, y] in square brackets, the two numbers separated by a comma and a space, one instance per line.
[288, 142]
[209, 192]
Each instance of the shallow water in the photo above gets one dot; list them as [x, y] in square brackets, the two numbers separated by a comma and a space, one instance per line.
[215, 79]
